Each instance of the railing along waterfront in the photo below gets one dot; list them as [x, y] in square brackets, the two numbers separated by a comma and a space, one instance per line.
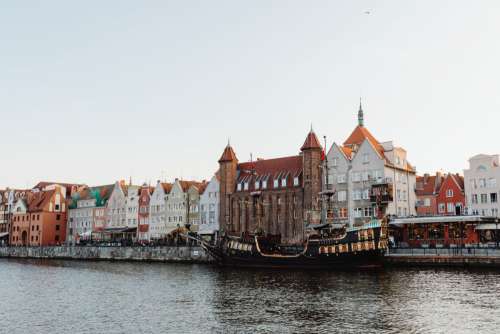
[453, 251]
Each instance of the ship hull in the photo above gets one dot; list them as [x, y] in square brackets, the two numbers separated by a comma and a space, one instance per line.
[365, 260]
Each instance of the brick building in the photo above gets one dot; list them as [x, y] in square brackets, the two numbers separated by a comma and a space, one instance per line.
[277, 196]
[40, 218]
[426, 188]
[450, 199]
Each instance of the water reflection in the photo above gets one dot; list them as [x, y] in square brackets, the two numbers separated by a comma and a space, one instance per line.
[89, 297]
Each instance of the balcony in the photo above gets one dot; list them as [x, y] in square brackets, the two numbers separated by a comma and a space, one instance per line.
[381, 193]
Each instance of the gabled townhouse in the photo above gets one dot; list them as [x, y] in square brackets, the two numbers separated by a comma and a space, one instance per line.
[450, 200]
[132, 206]
[116, 207]
[145, 194]
[209, 209]
[157, 210]
[426, 189]
[362, 169]
[86, 212]
[7, 201]
[40, 219]
[192, 191]
[176, 210]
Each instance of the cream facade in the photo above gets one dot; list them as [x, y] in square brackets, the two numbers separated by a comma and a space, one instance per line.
[482, 185]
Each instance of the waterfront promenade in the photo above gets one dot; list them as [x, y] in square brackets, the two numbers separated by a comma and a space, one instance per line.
[184, 254]
[457, 257]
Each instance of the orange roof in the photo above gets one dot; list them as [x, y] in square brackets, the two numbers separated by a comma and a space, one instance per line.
[359, 135]
[228, 155]
[167, 187]
[311, 142]
[38, 200]
[427, 185]
[185, 185]
[347, 151]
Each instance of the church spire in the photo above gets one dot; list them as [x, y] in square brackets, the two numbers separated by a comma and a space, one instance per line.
[360, 114]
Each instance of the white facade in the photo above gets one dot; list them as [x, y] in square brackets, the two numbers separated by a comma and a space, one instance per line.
[176, 210]
[209, 208]
[132, 206]
[116, 208]
[80, 219]
[157, 214]
[482, 188]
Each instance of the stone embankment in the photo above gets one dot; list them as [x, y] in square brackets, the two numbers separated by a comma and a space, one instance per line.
[459, 257]
[146, 254]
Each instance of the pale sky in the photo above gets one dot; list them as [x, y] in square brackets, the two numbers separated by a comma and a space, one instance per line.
[95, 91]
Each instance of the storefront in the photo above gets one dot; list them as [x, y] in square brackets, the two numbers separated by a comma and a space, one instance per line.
[447, 231]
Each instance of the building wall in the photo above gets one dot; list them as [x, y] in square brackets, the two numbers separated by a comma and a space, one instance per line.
[209, 207]
[427, 205]
[132, 206]
[482, 185]
[176, 208]
[157, 212]
[193, 205]
[143, 215]
[449, 197]
[116, 208]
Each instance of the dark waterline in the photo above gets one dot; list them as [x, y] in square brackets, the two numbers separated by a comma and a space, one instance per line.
[48, 296]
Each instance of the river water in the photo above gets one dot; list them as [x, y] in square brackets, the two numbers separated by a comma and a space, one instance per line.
[45, 296]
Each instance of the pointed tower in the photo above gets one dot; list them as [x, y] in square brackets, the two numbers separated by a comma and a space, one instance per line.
[311, 155]
[228, 165]
[361, 121]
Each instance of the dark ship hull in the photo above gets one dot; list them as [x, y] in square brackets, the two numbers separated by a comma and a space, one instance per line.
[357, 248]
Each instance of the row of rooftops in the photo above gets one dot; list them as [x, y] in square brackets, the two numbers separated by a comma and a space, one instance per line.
[37, 197]
[428, 185]
[275, 168]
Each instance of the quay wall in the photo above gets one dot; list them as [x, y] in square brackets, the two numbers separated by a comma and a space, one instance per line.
[444, 257]
[146, 254]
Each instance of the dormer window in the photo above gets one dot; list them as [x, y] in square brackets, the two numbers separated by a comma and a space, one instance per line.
[257, 184]
[264, 184]
[296, 181]
[246, 185]
[276, 183]
[283, 182]
[239, 187]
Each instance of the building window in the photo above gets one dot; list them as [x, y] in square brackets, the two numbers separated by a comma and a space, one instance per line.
[358, 212]
[283, 182]
[482, 183]
[246, 186]
[484, 198]
[366, 194]
[474, 198]
[276, 183]
[368, 212]
[57, 227]
[57, 238]
[366, 158]
[257, 185]
[493, 197]
[441, 208]
[57, 207]
[264, 184]
[334, 162]
[58, 217]
[341, 178]
[427, 202]
[239, 187]
[342, 196]
[356, 177]
[451, 208]
[449, 193]
[492, 182]
[296, 181]
[343, 212]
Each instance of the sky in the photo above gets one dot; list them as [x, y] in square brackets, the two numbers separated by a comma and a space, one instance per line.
[97, 91]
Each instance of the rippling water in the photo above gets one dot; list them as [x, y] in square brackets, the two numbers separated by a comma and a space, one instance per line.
[104, 297]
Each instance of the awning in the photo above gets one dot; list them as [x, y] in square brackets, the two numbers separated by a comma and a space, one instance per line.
[119, 230]
[441, 220]
[4, 234]
[488, 226]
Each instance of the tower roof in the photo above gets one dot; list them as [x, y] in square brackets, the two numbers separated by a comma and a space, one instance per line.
[358, 136]
[311, 142]
[228, 154]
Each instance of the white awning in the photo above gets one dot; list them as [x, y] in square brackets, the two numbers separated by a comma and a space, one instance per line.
[4, 234]
[441, 219]
[488, 226]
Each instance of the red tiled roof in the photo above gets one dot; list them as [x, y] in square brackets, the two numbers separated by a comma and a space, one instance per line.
[167, 187]
[185, 185]
[359, 135]
[347, 151]
[311, 142]
[228, 155]
[39, 199]
[427, 188]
